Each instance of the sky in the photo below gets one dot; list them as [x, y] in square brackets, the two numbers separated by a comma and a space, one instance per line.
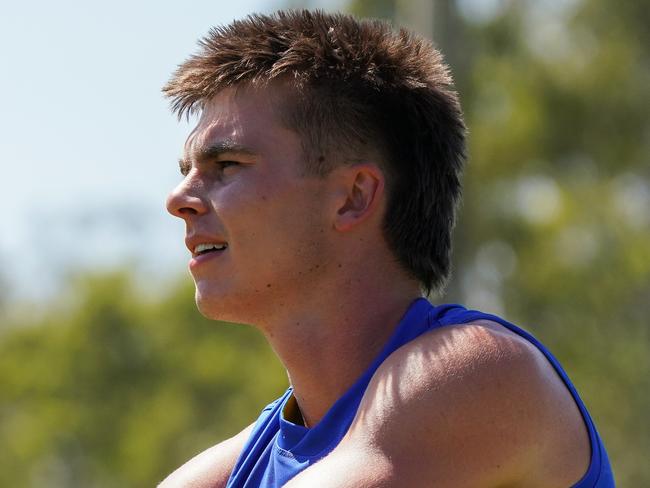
[88, 146]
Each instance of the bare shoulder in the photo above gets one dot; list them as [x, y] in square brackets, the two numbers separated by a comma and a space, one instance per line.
[212, 467]
[475, 399]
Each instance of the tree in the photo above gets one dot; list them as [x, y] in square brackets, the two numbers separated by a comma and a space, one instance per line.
[118, 389]
[554, 232]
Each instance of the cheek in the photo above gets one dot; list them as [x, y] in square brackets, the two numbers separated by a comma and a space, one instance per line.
[252, 221]
[287, 234]
[268, 220]
[303, 229]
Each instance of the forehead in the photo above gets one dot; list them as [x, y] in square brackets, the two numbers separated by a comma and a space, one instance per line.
[246, 116]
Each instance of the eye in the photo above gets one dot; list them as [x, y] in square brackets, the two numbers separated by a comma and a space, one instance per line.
[226, 164]
[223, 167]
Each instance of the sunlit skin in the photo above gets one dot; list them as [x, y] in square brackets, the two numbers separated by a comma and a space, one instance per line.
[244, 186]
[306, 261]
[307, 264]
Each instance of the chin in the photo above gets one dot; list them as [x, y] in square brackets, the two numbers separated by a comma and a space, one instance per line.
[209, 306]
[218, 306]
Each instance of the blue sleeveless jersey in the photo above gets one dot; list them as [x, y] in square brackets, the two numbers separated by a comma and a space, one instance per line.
[278, 450]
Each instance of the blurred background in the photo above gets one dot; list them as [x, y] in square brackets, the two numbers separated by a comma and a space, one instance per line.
[108, 375]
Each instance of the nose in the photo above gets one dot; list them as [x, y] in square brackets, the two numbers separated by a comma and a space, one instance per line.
[185, 200]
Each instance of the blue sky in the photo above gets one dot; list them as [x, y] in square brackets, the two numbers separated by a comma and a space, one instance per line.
[88, 148]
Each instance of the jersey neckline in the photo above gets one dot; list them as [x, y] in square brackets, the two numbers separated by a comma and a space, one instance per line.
[303, 442]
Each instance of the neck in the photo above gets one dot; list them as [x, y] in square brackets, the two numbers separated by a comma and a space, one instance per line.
[329, 340]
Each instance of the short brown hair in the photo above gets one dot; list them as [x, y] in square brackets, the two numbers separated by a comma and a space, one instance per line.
[360, 86]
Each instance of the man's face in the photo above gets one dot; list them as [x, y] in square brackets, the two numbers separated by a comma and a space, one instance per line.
[255, 225]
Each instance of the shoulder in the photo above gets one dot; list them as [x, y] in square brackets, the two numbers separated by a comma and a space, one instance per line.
[478, 397]
[212, 467]
[465, 359]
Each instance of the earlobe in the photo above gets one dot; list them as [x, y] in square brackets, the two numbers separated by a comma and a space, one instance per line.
[365, 189]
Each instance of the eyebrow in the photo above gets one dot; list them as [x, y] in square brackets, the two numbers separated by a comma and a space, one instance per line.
[213, 151]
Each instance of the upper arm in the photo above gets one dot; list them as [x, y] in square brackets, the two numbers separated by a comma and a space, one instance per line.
[212, 467]
[350, 465]
[461, 406]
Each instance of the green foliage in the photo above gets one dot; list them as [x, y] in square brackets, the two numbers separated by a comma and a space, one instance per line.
[555, 230]
[381, 9]
[118, 389]
[559, 174]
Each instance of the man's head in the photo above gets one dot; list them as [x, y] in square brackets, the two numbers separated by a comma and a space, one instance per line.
[355, 90]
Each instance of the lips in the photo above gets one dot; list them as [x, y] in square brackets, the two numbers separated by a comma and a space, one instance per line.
[209, 247]
[199, 260]
[199, 245]
[204, 248]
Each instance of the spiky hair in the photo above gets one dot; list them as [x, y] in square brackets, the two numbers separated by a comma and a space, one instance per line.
[358, 86]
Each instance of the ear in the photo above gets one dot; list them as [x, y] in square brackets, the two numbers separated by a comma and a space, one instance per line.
[363, 191]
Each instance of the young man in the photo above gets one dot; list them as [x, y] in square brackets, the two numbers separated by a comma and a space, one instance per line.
[319, 196]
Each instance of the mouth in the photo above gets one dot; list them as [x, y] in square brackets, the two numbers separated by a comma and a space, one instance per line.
[208, 248]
